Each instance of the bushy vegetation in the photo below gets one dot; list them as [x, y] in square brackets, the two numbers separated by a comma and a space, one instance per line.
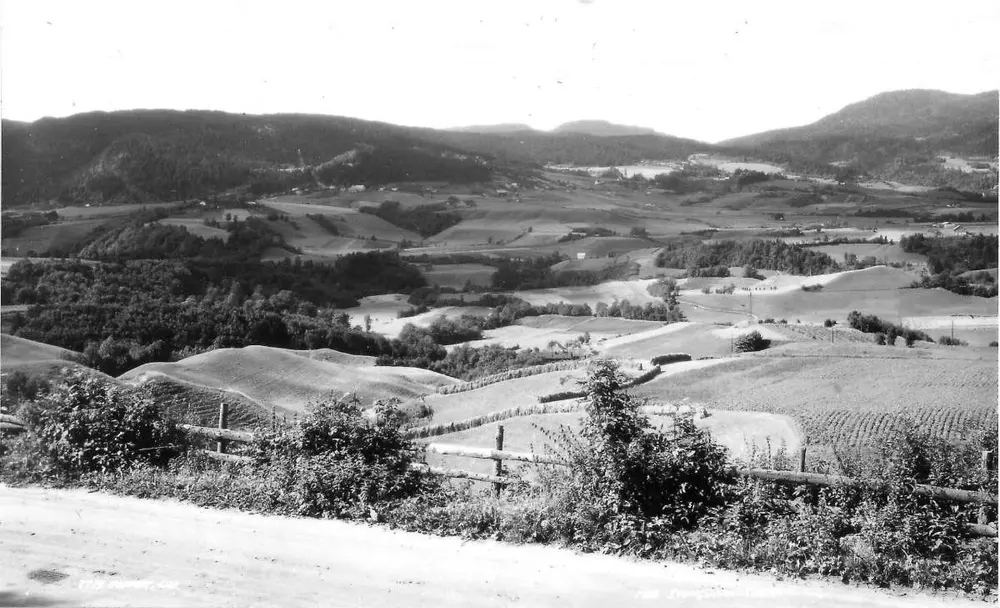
[629, 488]
[670, 358]
[337, 462]
[770, 255]
[425, 220]
[711, 271]
[750, 343]
[870, 324]
[950, 257]
[85, 425]
[536, 273]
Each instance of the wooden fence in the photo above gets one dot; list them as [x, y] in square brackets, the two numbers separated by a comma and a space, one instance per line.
[222, 436]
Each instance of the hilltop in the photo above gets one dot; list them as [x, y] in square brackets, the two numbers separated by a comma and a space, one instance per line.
[601, 128]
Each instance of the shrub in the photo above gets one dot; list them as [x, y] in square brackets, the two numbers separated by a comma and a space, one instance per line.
[339, 463]
[880, 339]
[671, 358]
[814, 287]
[949, 341]
[20, 386]
[628, 483]
[560, 396]
[829, 323]
[993, 344]
[88, 425]
[751, 342]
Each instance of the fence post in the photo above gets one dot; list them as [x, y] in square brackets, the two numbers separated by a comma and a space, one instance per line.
[220, 446]
[802, 459]
[984, 463]
[498, 464]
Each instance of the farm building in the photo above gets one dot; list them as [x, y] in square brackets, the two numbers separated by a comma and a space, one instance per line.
[356, 188]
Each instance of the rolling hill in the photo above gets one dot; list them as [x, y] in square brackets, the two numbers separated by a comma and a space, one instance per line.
[290, 380]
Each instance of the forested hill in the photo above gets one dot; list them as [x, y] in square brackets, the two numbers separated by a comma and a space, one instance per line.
[167, 155]
[893, 135]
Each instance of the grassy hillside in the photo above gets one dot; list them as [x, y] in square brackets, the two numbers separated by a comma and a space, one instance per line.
[292, 379]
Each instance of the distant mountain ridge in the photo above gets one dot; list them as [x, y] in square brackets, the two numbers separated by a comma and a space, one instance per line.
[896, 135]
[597, 128]
[602, 128]
[965, 121]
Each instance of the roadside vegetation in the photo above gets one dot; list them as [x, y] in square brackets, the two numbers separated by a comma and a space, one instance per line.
[630, 488]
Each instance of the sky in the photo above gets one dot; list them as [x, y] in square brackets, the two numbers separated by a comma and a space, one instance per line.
[706, 70]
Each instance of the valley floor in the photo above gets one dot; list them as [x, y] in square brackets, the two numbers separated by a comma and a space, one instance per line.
[71, 547]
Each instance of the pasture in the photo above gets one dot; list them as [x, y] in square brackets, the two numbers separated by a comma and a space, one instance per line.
[292, 379]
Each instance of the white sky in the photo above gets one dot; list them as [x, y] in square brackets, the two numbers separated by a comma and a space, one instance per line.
[706, 70]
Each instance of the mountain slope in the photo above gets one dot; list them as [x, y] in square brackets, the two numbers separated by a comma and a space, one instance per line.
[163, 154]
[895, 135]
[967, 121]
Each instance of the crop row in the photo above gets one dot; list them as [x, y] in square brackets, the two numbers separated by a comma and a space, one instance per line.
[562, 395]
[513, 374]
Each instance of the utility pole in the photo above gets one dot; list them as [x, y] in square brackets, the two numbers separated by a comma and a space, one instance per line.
[751, 306]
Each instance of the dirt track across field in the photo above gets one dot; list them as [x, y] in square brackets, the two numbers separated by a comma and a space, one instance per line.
[71, 548]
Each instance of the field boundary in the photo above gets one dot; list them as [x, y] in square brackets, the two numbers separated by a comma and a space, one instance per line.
[499, 480]
[223, 436]
[524, 372]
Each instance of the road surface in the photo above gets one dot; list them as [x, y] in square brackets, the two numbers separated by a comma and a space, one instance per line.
[71, 547]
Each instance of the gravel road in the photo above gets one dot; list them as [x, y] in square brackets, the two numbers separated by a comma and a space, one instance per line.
[72, 548]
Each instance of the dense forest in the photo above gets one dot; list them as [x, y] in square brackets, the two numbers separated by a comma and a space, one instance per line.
[951, 261]
[769, 255]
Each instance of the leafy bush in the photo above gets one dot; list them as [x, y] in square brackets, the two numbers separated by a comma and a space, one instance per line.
[949, 341]
[813, 288]
[829, 323]
[628, 482]
[751, 342]
[339, 463]
[20, 386]
[84, 425]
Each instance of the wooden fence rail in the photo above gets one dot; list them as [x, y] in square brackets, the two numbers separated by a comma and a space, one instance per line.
[222, 435]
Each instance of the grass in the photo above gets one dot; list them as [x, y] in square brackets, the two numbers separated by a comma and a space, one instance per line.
[501, 395]
[292, 379]
[40, 239]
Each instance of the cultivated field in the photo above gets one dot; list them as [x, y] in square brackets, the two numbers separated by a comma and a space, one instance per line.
[293, 379]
